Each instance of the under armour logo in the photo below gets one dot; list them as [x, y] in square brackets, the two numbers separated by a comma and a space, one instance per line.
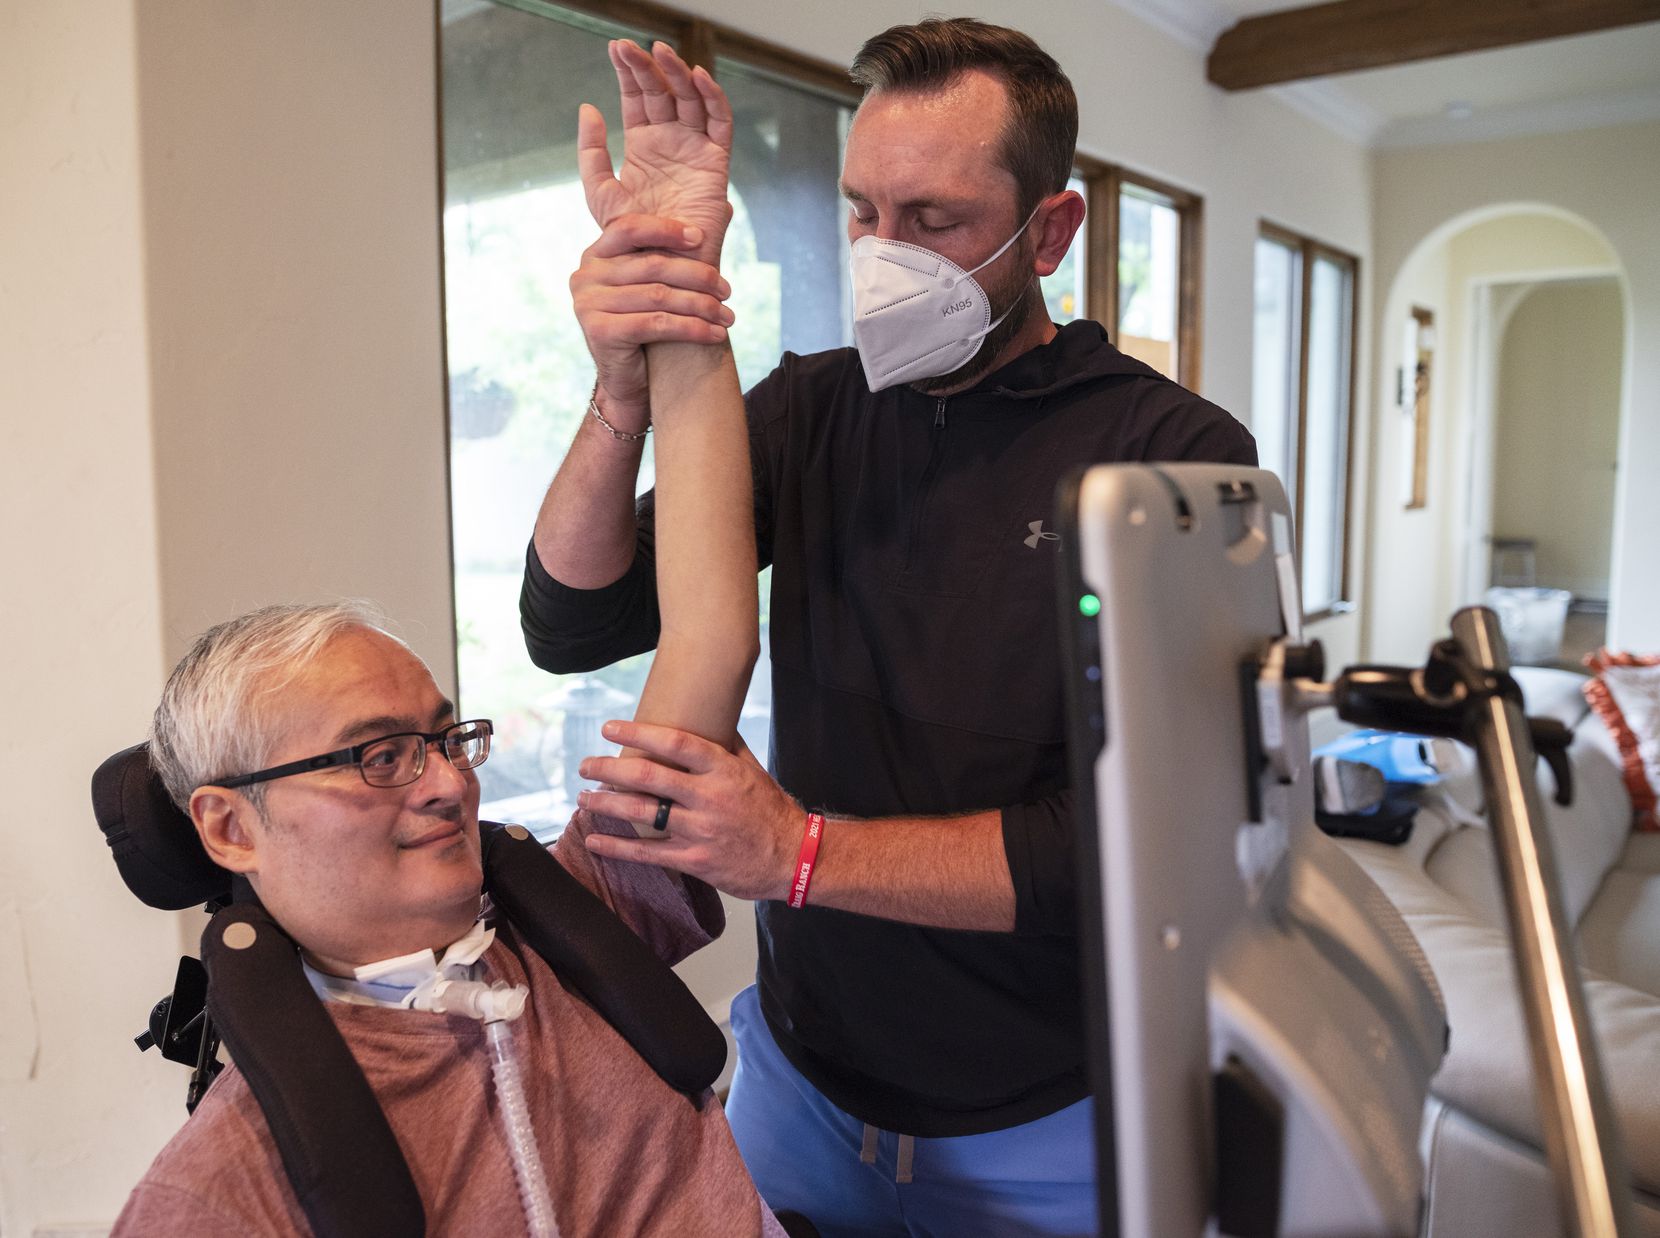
[1038, 535]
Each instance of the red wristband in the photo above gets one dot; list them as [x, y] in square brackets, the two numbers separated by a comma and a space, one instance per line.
[804, 861]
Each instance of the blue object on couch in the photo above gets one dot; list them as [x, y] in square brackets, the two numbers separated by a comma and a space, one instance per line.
[1399, 757]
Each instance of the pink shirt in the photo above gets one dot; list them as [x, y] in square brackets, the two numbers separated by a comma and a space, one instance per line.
[624, 1153]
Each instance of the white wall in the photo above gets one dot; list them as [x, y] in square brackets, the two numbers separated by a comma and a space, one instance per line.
[1557, 430]
[220, 326]
[81, 962]
[1610, 179]
[292, 239]
[220, 310]
[1394, 629]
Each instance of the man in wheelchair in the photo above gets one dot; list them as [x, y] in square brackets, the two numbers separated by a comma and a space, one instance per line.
[324, 770]
[435, 1024]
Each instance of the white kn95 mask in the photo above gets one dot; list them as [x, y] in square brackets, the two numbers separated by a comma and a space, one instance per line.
[917, 314]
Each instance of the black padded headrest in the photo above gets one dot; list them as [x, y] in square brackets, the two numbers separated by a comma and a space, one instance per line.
[154, 842]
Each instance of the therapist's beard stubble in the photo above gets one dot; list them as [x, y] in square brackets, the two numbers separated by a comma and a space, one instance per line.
[1016, 292]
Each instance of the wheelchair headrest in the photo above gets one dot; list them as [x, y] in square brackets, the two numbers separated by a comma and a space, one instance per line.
[153, 841]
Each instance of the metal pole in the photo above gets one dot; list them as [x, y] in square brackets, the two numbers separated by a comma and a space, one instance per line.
[1592, 1180]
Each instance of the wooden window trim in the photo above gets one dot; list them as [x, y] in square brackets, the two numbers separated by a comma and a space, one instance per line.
[1308, 250]
[1100, 241]
[1103, 182]
[706, 42]
[819, 76]
[702, 42]
[1421, 411]
[661, 22]
[1345, 595]
[1284, 236]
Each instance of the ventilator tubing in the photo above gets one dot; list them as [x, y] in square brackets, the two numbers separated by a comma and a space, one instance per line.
[498, 1005]
[521, 1136]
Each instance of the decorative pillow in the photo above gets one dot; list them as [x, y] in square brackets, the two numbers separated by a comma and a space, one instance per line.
[1626, 695]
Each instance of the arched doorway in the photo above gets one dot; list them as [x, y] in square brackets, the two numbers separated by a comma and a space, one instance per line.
[1497, 416]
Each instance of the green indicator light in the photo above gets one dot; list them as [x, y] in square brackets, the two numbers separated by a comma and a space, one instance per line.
[1089, 606]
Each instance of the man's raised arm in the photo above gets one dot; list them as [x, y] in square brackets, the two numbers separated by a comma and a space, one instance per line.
[652, 277]
[678, 137]
[678, 133]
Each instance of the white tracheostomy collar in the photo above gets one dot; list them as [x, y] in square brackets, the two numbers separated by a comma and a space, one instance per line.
[424, 981]
[450, 985]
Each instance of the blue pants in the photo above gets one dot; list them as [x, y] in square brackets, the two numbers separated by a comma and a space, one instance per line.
[806, 1155]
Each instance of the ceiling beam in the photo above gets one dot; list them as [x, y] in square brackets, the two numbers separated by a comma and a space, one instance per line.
[1345, 35]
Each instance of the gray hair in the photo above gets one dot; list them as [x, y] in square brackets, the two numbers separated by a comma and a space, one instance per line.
[211, 722]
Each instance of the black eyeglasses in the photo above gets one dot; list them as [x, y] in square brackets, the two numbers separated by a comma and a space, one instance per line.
[391, 760]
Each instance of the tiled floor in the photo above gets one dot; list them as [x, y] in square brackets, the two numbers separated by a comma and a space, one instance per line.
[1581, 634]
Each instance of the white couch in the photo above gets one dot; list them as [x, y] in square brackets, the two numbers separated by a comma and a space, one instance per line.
[1487, 1175]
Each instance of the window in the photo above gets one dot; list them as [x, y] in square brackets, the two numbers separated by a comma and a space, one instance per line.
[1148, 297]
[1303, 397]
[515, 225]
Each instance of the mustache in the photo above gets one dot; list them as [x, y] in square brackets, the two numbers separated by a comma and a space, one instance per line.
[448, 814]
[443, 820]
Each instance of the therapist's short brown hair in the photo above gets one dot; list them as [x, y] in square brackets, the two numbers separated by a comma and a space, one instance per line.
[1042, 133]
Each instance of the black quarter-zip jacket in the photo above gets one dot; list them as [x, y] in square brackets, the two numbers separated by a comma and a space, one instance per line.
[915, 650]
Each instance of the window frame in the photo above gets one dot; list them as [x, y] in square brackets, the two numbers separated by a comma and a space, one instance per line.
[1103, 183]
[699, 42]
[702, 42]
[1308, 251]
